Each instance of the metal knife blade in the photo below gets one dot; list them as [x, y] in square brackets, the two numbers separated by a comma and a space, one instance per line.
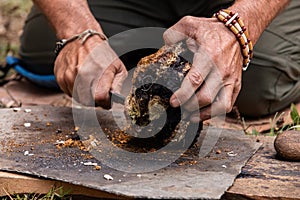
[117, 98]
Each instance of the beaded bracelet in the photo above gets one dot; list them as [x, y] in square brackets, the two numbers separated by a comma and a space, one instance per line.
[234, 23]
[83, 36]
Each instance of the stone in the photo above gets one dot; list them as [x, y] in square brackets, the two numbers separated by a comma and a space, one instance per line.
[287, 145]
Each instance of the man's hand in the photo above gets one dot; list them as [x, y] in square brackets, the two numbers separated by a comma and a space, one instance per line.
[217, 63]
[89, 71]
[215, 77]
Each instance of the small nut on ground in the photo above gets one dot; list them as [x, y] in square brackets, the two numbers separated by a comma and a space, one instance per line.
[287, 145]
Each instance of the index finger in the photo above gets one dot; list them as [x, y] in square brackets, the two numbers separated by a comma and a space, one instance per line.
[193, 80]
[183, 29]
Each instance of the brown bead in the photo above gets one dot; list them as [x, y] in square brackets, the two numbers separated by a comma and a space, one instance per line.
[240, 22]
[247, 34]
[221, 17]
[234, 30]
[226, 11]
[242, 41]
[245, 53]
[250, 45]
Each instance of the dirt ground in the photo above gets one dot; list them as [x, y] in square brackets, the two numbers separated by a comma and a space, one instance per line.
[12, 17]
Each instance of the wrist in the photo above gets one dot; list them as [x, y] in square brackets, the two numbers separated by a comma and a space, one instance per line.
[71, 29]
[236, 25]
[257, 15]
[68, 18]
[83, 37]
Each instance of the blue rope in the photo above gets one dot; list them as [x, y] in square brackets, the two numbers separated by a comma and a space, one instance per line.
[48, 81]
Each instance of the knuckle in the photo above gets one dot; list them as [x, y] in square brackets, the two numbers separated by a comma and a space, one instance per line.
[226, 75]
[125, 73]
[195, 78]
[59, 79]
[228, 108]
[182, 95]
[204, 99]
[187, 19]
[238, 86]
[69, 76]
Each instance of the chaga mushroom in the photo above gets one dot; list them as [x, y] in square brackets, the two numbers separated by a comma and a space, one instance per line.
[155, 79]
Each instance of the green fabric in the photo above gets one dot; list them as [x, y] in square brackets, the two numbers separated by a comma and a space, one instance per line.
[272, 81]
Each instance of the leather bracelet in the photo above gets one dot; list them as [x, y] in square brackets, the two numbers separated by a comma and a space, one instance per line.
[234, 23]
[81, 36]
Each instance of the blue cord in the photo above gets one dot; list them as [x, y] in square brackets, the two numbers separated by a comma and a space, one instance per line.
[48, 81]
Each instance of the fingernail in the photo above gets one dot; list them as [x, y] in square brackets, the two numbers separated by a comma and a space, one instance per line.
[175, 102]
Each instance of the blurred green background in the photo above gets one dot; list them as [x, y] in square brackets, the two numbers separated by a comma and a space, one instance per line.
[12, 17]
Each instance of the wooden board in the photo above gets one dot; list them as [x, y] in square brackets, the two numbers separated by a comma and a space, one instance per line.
[13, 183]
[266, 177]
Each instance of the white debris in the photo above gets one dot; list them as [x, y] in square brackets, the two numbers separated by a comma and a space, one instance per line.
[108, 177]
[231, 154]
[27, 125]
[27, 110]
[224, 166]
[139, 175]
[90, 164]
[94, 143]
[16, 109]
[60, 142]
[26, 153]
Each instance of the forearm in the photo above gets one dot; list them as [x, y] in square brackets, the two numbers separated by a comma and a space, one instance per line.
[68, 17]
[258, 14]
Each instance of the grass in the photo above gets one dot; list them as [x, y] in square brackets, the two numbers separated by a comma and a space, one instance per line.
[53, 194]
[12, 14]
[15, 8]
[277, 124]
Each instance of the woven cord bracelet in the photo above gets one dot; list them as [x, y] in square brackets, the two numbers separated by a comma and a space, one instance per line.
[234, 23]
[81, 36]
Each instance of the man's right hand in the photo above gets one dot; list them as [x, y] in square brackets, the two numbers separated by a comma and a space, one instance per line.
[85, 71]
[89, 71]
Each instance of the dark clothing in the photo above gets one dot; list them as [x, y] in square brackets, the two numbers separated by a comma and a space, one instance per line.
[271, 83]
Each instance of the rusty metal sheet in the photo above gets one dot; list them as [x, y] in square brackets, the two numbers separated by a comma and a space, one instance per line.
[35, 150]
